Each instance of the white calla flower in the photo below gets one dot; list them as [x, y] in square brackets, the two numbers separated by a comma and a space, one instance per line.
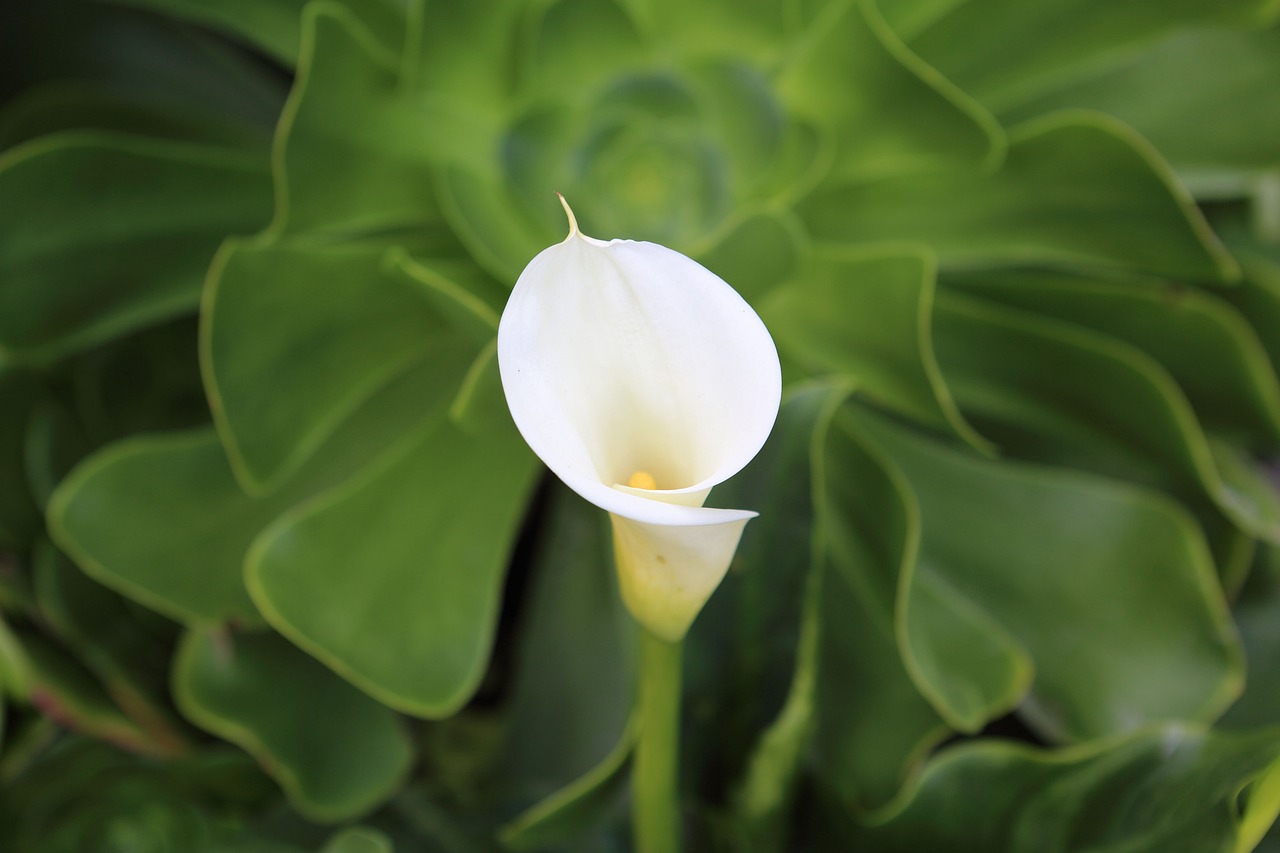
[642, 380]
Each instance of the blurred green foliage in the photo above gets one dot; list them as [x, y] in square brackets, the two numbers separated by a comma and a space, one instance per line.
[277, 573]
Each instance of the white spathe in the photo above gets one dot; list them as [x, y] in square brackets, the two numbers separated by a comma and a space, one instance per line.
[625, 360]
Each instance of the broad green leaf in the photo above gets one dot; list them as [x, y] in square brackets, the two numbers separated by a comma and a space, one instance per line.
[890, 112]
[940, 630]
[1211, 350]
[79, 209]
[1055, 393]
[1006, 51]
[1172, 788]
[350, 149]
[1188, 96]
[1073, 568]
[867, 315]
[336, 752]
[394, 579]
[331, 326]
[1071, 183]
[872, 724]
[573, 672]
[161, 520]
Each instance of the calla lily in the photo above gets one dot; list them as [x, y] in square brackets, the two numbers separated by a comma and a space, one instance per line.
[642, 380]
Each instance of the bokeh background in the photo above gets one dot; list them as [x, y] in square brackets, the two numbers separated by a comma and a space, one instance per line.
[277, 573]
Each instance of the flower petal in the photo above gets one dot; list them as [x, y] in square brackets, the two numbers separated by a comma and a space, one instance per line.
[626, 356]
[667, 573]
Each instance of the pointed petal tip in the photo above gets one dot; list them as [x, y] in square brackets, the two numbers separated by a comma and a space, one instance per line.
[568, 211]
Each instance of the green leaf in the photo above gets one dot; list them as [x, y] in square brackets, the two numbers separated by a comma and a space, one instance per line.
[1058, 394]
[1073, 568]
[79, 210]
[336, 752]
[890, 112]
[394, 579]
[866, 315]
[1004, 51]
[332, 326]
[1208, 74]
[872, 723]
[1168, 789]
[161, 520]
[350, 149]
[1209, 348]
[1071, 183]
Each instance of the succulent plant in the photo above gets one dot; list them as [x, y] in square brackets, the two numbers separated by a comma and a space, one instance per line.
[1015, 583]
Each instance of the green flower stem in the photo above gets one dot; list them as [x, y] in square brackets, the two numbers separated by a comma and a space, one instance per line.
[656, 772]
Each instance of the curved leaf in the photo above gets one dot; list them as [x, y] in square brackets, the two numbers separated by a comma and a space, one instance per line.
[336, 752]
[393, 580]
[78, 210]
[1054, 393]
[1167, 789]
[1205, 73]
[1029, 548]
[1216, 357]
[867, 315]
[1071, 183]
[161, 520]
[872, 723]
[332, 325]
[350, 150]
[891, 113]
[1005, 51]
